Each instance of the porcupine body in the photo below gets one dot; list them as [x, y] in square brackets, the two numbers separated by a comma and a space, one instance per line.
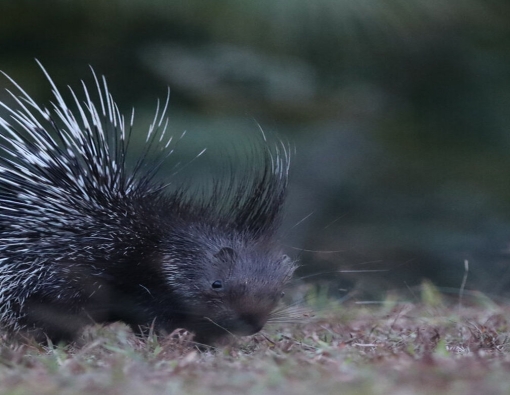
[85, 240]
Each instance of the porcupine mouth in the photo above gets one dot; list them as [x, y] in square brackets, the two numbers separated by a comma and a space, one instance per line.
[246, 325]
[243, 325]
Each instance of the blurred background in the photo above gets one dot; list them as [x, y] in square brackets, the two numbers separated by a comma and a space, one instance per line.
[398, 111]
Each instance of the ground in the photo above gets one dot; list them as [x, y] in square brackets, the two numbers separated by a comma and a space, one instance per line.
[435, 345]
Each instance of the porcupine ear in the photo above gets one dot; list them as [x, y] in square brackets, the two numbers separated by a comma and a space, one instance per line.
[258, 212]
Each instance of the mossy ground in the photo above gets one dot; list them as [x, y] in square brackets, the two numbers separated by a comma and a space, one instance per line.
[433, 346]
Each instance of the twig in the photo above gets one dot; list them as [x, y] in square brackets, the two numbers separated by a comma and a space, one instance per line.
[464, 280]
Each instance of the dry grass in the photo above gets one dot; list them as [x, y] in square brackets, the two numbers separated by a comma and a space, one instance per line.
[392, 348]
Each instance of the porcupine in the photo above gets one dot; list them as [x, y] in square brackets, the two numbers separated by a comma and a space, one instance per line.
[87, 239]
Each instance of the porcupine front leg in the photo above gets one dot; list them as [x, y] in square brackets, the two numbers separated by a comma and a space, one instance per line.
[65, 305]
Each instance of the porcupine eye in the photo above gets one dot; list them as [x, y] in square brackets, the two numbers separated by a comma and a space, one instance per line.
[225, 254]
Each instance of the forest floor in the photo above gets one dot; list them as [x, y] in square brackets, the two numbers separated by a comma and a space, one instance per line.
[433, 346]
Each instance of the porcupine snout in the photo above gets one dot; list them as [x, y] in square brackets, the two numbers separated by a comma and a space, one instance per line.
[243, 324]
[248, 324]
[247, 318]
[247, 314]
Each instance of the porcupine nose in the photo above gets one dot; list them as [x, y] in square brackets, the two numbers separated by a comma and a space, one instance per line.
[249, 324]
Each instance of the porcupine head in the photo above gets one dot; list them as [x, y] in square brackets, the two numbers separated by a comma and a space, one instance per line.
[88, 238]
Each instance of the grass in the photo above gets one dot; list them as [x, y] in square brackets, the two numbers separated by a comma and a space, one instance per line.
[431, 347]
